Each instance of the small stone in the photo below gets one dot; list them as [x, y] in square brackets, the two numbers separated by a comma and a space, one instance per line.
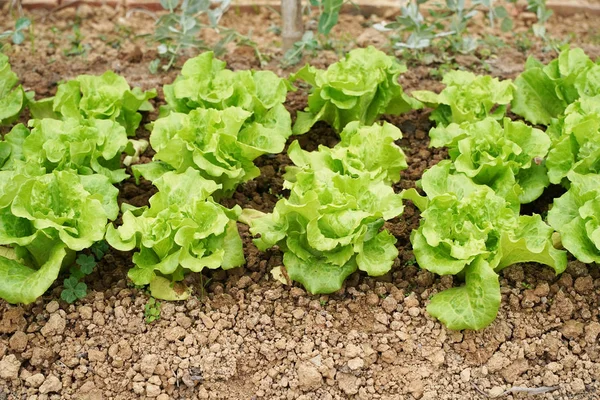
[208, 323]
[496, 391]
[572, 329]
[309, 377]
[514, 370]
[87, 387]
[98, 318]
[298, 313]
[138, 388]
[55, 326]
[577, 386]
[52, 307]
[9, 367]
[352, 350]
[584, 285]
[592, 331]
[163, 396]
[550, 379]
[96, 355]
[389, 356]
[356, 363]
[174, 334]
[50, 385]
[411, 301]
[562, 306]
[348, 383]
[85, 312]
[183, 321]
[372, 299]
[389, 304]
[414, 311]
[542, 289]
[35, 380]
[465, 375]
[148, 365]
[120, 351]
[244, 282]
[18, 341]
[152, 390]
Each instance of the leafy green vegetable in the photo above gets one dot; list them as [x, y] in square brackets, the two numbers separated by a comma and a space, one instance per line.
[544, 92]
[183, 230]
[576, 216]
[362, 150]
[467, 229]
[206, 83]
[498, 156]
[467, 98]
[87, 146]
[12, 99]
[217, 143]
[360, 87]
[45, 219]
[340, 198]
[107, 96]
[575, 140]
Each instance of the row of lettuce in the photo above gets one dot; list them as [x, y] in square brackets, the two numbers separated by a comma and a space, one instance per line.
[57, 193]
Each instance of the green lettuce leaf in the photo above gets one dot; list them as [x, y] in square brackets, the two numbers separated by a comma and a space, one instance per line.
[339, 200]
[576, 216]
[46, 218]
[575, 140]
[468, 230]
[205, 83]
[467, 98]
[12, 97]
[508, 158]
[544, 92]
[362, 150]
[107, 96]
[360, 87]
[183, 230]
[217, 143]
[87, 146]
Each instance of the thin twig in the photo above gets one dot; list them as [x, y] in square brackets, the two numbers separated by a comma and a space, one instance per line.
[540, 390]
[481, 392]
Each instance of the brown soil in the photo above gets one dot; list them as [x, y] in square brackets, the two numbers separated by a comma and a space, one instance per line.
[244, 335]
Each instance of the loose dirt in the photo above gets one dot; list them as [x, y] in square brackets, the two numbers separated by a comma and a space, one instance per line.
[244, 335]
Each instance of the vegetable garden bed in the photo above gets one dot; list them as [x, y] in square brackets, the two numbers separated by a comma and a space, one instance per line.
[243, 333]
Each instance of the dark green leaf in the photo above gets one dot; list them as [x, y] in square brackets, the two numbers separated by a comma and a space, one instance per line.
[507, 24]
[86, 263]
[18, 37]
[22, 23]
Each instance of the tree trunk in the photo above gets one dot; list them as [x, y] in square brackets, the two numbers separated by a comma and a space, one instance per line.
[292, 30]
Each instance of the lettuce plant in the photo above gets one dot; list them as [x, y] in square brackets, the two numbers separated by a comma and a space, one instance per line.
[576, 216]
[467, 98]
[206, 83]
[575, 140]
[362, 150]
[215, 142]
[183, 230]
[467, 229]
[12, 97]
[340, 198]
[498, 156]
[107, 96]
[87, 146]
[360, 87]
[44, 220]
[543, 92]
